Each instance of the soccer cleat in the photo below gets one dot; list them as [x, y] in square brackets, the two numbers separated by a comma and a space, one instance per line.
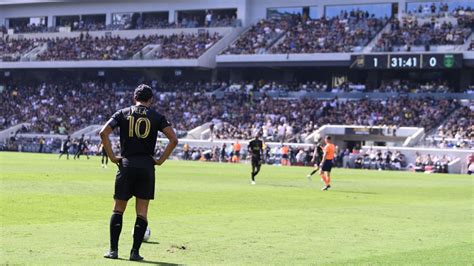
[309, 177]
[112, 254]
[326, 188]
[135, 256]
[253, 183]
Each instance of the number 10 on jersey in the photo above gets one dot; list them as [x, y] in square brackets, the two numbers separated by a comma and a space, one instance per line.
[134, 127]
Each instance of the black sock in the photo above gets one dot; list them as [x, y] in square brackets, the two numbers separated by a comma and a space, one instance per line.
[314, 172]
[139, 232]
[115, 229]
[258, 170]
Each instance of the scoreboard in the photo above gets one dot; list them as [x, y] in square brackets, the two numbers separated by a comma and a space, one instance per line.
[406, 61]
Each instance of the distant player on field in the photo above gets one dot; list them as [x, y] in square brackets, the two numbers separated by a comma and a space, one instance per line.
[326, 163]
[139, 126]
[80, 147]
[105, 158]
[317, 157]
[255, 149]
[65, 148]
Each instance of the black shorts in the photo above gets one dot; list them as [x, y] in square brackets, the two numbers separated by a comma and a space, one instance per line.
[285, 156]
[327, 166]
[237, 153]
[256, 161]
[138, 182]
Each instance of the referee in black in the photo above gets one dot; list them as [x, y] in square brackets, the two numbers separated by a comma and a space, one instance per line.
[139, 126]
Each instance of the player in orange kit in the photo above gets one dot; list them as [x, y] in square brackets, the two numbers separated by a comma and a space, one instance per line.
[327, 162]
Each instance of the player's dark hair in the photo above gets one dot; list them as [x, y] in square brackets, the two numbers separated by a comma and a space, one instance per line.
[143, 93]
[328, 137]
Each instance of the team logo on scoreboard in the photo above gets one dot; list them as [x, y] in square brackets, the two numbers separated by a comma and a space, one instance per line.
[359, 62]
[448, 61]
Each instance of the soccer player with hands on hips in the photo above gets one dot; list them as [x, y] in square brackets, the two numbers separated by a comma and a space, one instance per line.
[139, 126]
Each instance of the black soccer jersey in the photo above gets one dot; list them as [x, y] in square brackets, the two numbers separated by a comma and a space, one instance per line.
[66, 145]
[139, 126]
[320, 152]
[256, 147]
[81, 144]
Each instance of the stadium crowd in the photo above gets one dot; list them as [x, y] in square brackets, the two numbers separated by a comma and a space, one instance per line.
[184, 45]
[380, 160]
[259, 37]
[459, 126]
[392, 86]
[413, 31]
[303, 35]
[406, 86]
[338, 34]
[429, 10]
[377, 159]
[87, 47]
[30, 28]
[13, 49]
[431, 163]
[61, 108]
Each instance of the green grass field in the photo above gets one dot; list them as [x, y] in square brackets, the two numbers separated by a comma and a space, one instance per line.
[57, 212]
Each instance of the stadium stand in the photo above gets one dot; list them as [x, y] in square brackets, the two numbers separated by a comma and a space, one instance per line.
[296, 34]
[60, 108]
[259, 37]
[87, 47]
[184, 46]
[13, 49]
[338, 34]
[412, 31]
[460, 126]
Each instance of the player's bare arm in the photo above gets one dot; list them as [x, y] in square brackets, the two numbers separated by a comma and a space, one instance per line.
[172, 142]
[104, 136]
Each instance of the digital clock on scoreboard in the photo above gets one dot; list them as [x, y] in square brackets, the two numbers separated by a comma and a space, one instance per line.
[406, 61]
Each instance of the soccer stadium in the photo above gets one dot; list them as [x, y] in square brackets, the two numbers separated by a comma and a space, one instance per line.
[243, 132]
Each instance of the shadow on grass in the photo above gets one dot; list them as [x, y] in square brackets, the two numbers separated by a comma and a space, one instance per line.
[354, 192]
[152, 262]
[282, 185]
[151, 242]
